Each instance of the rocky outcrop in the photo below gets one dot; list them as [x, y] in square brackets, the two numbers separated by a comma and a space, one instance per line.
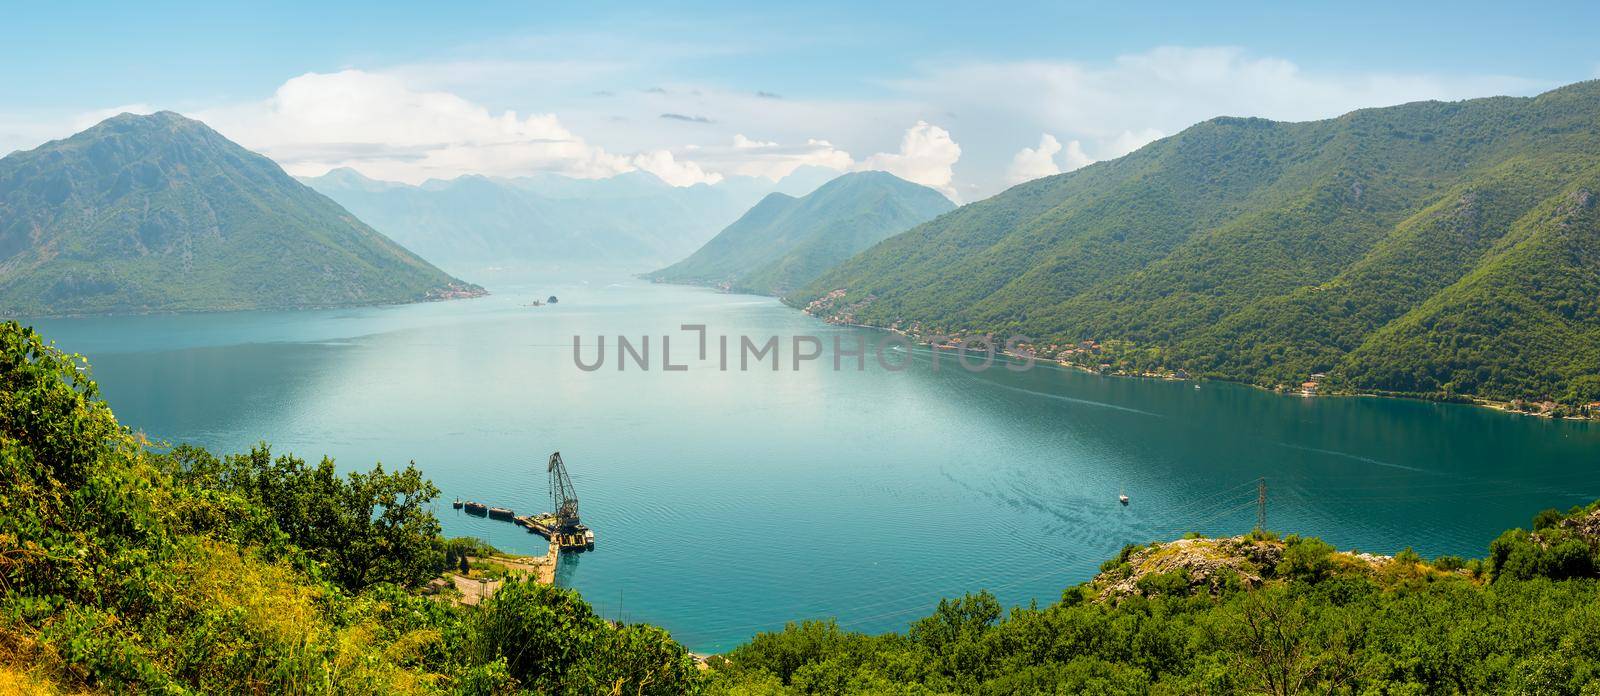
[1206, 565]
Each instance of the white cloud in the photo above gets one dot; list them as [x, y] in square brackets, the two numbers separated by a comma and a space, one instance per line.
[1127, 141]
[380, 125]
[1170, 88]
[669, 169]
[823, 154]
[742, 143]
[1076, 158]
[591, 115]
[628, 120]
[1036, 162]
[387, 128]
[927, 156]
[770, 159]
[1112, 107]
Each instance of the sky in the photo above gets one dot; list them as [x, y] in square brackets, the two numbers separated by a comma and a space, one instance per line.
[960, 97]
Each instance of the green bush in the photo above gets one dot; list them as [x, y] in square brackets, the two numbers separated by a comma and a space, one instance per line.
[1305, 559]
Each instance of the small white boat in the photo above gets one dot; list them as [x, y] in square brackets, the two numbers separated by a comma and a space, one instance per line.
[1122, 498]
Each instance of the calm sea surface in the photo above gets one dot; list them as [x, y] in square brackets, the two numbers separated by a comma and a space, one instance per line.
[728, 502]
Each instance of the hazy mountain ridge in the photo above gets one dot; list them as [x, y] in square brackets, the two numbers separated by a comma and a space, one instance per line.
[632, 219]
[784, 242]
[1397, 249]
[161, 213]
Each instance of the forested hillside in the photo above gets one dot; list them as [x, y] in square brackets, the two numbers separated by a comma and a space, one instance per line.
[785, 242]
[1431, 249]
[162, 213]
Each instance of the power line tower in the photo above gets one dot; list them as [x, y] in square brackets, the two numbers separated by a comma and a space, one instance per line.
[1261, 504]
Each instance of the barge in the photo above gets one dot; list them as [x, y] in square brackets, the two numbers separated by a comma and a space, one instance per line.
[562, 527]
[574, 537]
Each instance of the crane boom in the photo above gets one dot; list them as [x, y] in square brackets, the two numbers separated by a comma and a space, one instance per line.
[562, 496]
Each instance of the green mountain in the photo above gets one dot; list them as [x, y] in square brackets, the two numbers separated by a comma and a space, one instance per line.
[161, 213]
[785, 242]
[1431, 249]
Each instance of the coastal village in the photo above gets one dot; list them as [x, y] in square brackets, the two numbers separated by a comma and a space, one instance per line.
[1120, 358]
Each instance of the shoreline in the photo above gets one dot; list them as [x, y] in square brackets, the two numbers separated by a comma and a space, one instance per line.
[1468, 399]
[449, 297]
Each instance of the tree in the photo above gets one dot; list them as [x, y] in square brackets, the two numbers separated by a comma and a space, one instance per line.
[546, 635]
[782, 653]
[365, 528]
[401, 539]
[1270, 642]
[1547, 517]
[955, 630]
[642, 659]
[1307, 559]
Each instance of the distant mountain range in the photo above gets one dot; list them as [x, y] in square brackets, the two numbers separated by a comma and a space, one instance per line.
[1431, 249]
[161, 213]
[633, 219]
[785, 242]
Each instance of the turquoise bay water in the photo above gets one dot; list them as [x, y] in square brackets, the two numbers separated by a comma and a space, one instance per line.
[729, 502]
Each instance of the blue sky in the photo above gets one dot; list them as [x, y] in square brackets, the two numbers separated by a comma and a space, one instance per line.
[963, 97]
